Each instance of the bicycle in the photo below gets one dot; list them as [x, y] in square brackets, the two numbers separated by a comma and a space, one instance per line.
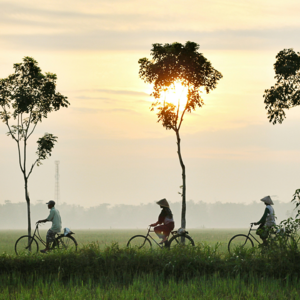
[242, 240]
[143, 241]
[28, 244]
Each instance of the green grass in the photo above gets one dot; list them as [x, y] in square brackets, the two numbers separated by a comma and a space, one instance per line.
[151, 287]
[107, 236]
[103, 268]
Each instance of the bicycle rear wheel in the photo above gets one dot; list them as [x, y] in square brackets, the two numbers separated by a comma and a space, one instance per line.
[239, 241]
[22, 247]
[175, 241]
[65, 243]
[139, 241]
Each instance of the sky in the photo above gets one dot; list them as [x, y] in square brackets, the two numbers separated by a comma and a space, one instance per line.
[110, 147]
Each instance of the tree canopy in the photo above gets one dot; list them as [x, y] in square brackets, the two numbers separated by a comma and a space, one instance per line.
[285, 94]
[183, 64]
[27, 97]
[172, 63]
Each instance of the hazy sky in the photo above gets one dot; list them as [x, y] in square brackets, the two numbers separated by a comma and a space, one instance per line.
[110, 147]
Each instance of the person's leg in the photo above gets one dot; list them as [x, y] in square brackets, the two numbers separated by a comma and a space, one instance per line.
[159, 231]
[167, 230]
[50, 237]
[263, 233]
[163, 232]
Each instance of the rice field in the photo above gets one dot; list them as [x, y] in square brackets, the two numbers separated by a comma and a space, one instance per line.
[150, 287]
[162, 277]
[106, 237]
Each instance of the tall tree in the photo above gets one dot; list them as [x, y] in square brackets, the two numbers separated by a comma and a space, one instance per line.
[26, 98]
[172, 64]
[286, 92]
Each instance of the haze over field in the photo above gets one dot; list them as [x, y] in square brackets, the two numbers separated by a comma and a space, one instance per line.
[110, 147]
[199, 215]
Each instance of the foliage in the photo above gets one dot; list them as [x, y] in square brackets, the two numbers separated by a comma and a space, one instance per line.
[296, 200]
[26, 98]
[172, 63]
[45, 146]
[120, 263]
[286, 93]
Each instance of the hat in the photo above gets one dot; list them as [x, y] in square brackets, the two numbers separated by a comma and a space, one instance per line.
[163, 202]
[267, 200]
[51, 202]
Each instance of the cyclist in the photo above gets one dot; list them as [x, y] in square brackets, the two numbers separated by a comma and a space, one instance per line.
[267, 220]
[165, 218]
[55, 218]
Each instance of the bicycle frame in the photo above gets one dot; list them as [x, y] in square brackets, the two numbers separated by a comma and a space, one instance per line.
[249, 233]
[148, 235]
[37, 235]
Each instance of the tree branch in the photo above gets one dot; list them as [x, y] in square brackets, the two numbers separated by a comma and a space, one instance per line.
[18, 143]
[181, 119]
[31, 168]
[32, 130]
[7, 124]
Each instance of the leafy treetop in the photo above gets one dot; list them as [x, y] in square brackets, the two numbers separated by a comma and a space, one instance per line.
[27, 96]
[29, 91]
[286, 92]
[172, 63]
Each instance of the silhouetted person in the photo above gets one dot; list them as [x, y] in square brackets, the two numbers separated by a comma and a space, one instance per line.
[54, 217]
[267, 221]
[165, 218]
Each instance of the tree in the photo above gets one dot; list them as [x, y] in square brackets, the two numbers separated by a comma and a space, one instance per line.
[286, 92]
[26, 98]
[172, 64]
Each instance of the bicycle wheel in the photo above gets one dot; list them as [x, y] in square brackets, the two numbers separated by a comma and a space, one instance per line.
[139, 241]
[65, 243]
[239, 241]
[175, 241]
[22, 247]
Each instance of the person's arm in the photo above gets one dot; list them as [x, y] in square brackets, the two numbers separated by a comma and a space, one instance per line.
[263, 218]
[42, 221]
[161, 218]
[50, 218]
[154, 224]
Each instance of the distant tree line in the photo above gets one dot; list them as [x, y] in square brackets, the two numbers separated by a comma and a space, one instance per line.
[200, 214]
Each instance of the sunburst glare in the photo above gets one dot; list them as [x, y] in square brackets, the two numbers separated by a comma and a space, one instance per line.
[176, 94]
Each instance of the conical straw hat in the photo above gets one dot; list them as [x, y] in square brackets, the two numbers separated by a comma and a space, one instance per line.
[267, 200]
[163, 202]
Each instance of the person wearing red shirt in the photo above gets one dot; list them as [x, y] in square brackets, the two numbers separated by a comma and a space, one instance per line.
[165, 218]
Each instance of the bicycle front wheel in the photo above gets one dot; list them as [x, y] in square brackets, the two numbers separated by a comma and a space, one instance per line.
[175, 241]
[65, 243]
[139, 241]
[26, 244]
[239, 241]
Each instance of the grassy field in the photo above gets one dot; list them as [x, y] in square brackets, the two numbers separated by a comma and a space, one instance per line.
[149, 287]
[104, 270]
[107, 236]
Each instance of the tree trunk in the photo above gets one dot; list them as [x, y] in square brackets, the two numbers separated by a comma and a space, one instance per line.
[183, 194]
[28, 206]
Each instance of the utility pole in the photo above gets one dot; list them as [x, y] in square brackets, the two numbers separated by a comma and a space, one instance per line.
[56, 192]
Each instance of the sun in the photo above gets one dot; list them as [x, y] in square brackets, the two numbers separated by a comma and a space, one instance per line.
[176, 94]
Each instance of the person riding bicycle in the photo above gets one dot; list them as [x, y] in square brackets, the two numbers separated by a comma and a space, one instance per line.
[55, 218]
[165, 218]
[267, 221]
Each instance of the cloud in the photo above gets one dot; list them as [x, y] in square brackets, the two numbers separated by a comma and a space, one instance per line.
[115, 92]
[86, 110]
[108, 40]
